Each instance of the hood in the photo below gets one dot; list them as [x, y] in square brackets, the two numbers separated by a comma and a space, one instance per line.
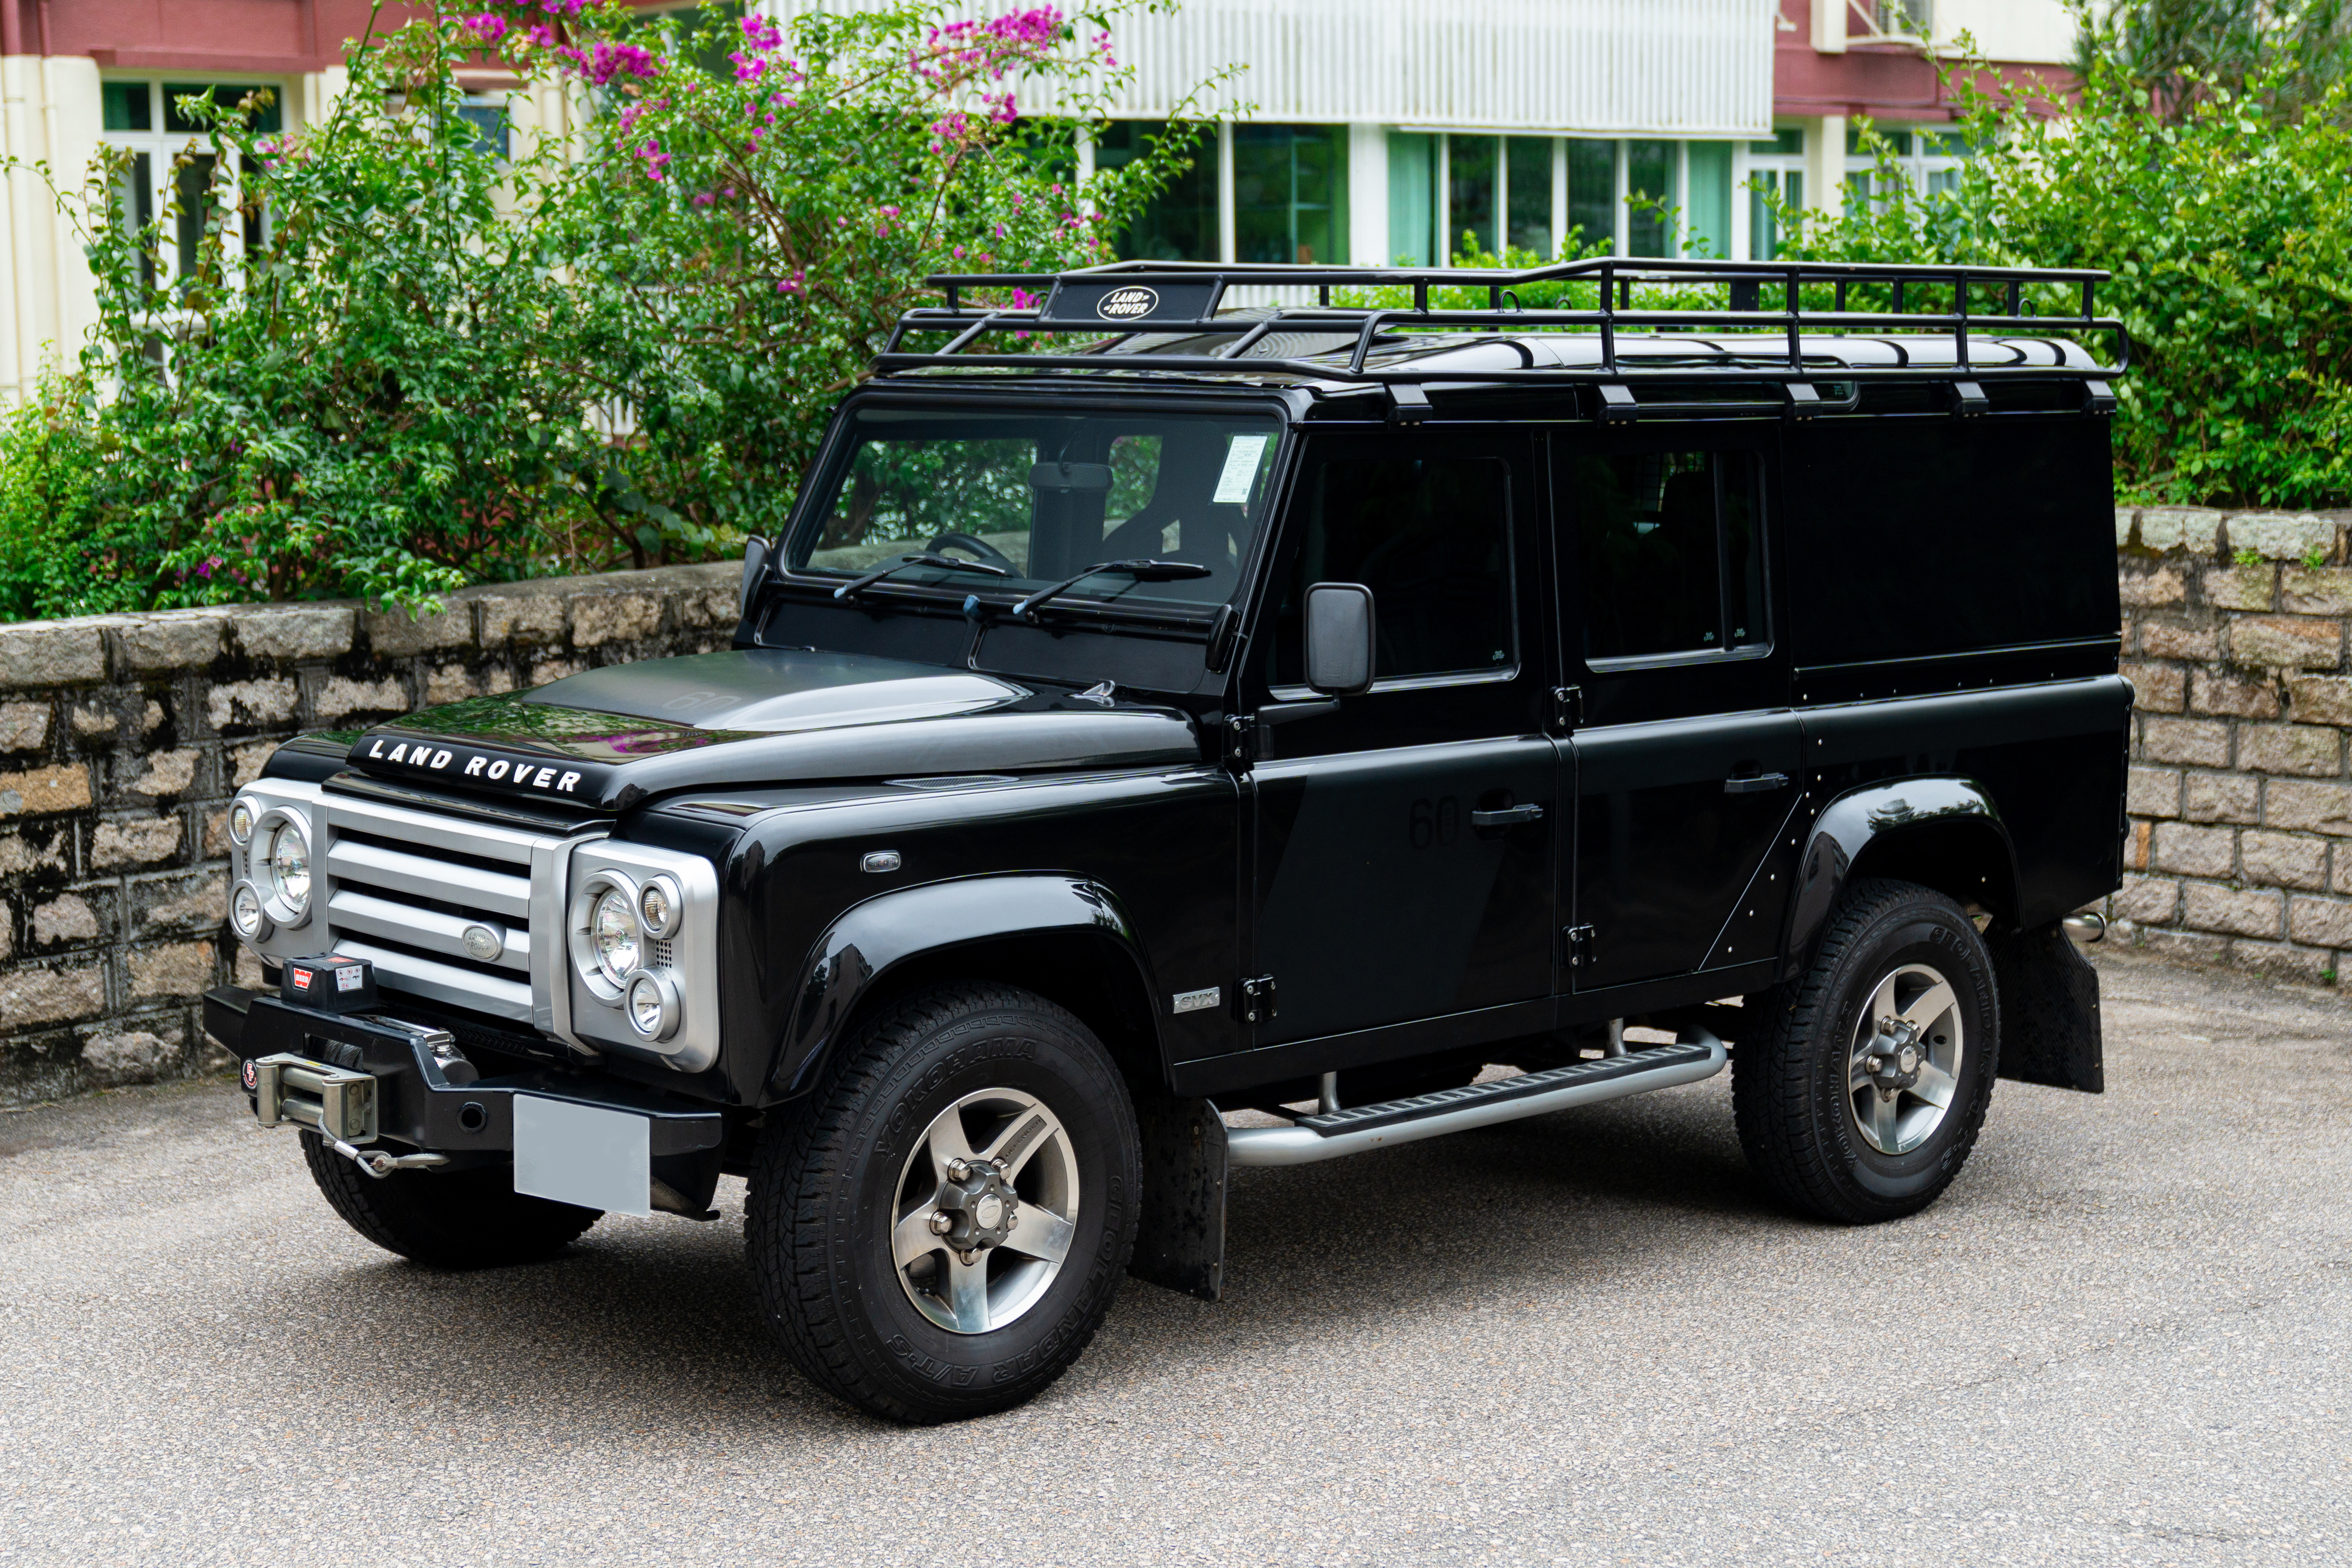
[610, 737]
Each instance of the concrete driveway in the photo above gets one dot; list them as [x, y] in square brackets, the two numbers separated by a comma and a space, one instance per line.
[2125, 1336]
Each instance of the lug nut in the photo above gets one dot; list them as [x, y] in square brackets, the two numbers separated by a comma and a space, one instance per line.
[958, 1169]
[1012, 1221]
[941, 1222]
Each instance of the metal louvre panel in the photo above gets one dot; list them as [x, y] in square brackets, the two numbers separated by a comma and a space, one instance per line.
[401, 886]
[1640, 68]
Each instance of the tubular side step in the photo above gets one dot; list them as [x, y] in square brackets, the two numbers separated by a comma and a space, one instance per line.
[1327, 1135]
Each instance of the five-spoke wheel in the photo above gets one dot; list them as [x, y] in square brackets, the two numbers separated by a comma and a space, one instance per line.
[987, 1205]
[1905, 1064]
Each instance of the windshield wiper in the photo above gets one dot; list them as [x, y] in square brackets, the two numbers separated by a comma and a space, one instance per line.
[1143, 571]
[920, 558]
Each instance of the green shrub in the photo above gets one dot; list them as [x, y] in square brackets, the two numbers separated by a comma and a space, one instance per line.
[411, 356]
[2226, 220]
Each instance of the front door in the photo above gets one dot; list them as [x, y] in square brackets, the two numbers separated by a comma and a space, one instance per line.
[1688, 754]
[1405, 839]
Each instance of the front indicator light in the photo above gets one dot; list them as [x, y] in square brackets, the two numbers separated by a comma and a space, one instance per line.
[651, 1004]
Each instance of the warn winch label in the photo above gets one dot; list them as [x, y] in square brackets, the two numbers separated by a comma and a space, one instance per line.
[425, 757]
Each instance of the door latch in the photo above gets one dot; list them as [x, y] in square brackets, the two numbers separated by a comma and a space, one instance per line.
[1258, 1000]
[1566, 708]
[1580, 946]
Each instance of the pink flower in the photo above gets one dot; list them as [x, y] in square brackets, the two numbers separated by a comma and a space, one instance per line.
[489, 28]
[612, 59]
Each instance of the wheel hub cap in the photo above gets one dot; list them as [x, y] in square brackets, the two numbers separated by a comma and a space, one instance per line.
[979, 1207]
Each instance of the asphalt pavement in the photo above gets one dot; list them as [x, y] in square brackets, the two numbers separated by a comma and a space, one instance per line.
[2125, 1335]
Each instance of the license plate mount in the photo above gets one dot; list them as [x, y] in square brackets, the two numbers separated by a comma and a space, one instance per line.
[590, 1155]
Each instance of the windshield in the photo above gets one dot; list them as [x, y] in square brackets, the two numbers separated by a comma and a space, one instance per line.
[1045, 495]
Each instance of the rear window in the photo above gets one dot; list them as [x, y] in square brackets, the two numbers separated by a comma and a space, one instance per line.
[1914, 538]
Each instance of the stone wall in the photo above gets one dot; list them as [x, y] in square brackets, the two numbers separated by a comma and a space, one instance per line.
[2240, 847]
[122, 737]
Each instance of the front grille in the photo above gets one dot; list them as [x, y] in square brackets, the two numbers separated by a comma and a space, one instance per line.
[402, 887]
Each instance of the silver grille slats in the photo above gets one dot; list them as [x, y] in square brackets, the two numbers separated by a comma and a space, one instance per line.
[402, 887]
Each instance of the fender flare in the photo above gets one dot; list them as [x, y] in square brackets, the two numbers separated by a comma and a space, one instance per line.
[870, 940]
[1860, 817]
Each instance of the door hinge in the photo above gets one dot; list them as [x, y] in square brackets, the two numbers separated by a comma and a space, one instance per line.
[1238, 727]
[1258, 1000]
[1566, 708]
[1580, 946]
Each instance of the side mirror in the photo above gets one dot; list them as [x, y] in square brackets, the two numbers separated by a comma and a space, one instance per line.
[755, 573]
[1340, 638]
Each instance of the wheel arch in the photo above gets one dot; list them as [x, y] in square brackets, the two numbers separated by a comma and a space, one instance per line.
[1942, 832]
[1067, 939]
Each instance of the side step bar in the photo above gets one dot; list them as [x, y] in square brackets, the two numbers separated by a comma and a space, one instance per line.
[1697, 1054]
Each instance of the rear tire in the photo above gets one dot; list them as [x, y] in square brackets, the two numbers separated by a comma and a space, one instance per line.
[886, 1313]
[455, 1219]
[1834, 1115]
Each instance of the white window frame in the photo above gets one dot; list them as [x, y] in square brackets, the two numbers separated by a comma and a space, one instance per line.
[162, 147]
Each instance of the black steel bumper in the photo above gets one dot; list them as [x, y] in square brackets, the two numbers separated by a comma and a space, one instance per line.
[423, 1103]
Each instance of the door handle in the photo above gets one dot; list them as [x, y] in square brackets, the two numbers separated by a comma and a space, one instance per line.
[1507, 817]
[1756, 786]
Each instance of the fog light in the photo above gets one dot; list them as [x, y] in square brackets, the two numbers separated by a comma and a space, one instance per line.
[651, 1004]
[246, 913]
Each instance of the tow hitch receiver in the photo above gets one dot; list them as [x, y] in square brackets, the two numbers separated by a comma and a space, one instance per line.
[339, 1102]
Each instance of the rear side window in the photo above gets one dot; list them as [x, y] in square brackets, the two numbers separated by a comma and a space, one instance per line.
[1912, 537]
[1429, 534]
[1668, 552]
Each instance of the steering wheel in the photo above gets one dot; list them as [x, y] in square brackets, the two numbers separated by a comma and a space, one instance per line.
[980, 548]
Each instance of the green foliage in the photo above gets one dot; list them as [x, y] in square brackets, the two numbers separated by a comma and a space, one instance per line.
[2174, 53]
[2228, 230]
[411, 356]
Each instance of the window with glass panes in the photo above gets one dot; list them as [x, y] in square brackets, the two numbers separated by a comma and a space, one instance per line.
[146, 119]
[1290, 193]
[1179, 224]
[1775, 168]
[1929, 158]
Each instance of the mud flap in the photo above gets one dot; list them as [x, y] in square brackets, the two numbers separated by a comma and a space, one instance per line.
[1180, 1239]
[2049, 1009]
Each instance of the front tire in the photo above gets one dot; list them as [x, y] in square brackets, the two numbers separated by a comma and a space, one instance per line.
[1859, 1099]
[937, 1231]
[452, 1220]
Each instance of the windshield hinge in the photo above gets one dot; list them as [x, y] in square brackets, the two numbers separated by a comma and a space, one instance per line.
[1239, 737]
[1258, 1005]
[1579, 945]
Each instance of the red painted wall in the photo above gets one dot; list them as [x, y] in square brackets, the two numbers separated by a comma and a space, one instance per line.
[1883, 81]
[199, 34]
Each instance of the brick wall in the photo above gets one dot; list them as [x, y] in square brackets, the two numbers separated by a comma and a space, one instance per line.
[122, 737]
[2240, 849]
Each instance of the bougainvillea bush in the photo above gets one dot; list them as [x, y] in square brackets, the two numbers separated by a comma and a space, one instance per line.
[413, 354]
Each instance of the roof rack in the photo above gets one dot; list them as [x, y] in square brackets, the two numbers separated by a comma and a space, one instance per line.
[1180, 300]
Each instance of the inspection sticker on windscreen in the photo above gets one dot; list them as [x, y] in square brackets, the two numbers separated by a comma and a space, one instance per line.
[1241, 468]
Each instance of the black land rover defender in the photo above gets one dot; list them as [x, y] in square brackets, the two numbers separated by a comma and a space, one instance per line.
[1181, 711]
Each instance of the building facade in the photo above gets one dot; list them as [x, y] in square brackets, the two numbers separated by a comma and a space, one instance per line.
[1369, 131]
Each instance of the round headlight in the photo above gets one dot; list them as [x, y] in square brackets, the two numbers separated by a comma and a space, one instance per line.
[289, 866]
[658, 903]
[241, 821]
[246, 913]
[613, 934]
[652, 1002]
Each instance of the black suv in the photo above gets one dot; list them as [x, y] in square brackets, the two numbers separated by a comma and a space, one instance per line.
[1172, 712]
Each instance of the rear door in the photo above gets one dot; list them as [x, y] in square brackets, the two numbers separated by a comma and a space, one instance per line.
[1686, 754]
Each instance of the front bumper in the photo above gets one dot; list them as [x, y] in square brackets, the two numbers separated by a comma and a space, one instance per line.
[418, 1101]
